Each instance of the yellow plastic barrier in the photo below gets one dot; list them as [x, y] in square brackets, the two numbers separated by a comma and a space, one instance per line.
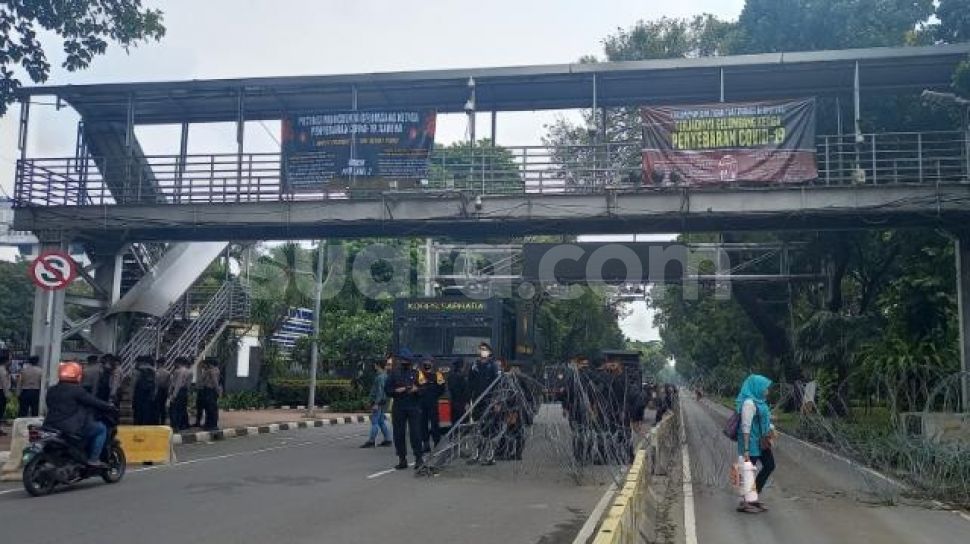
[146, 443]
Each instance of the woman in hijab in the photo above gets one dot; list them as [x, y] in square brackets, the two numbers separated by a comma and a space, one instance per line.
[756, 432]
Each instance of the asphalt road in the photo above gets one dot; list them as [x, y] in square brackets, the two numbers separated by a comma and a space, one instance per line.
[311, 485]
[813, 498]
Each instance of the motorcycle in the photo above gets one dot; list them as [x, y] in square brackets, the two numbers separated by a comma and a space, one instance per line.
[54, 458]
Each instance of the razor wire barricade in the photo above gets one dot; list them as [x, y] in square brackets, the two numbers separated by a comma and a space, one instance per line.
[586, 437]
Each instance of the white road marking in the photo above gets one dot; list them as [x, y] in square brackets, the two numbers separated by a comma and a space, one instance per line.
[385, 472]
[586, 531]
[217, 458]
[381, 473]
[690, 522]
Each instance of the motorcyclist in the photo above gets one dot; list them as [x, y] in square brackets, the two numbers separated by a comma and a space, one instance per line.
[72, 410]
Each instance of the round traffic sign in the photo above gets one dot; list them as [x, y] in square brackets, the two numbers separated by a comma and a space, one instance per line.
[53, 270]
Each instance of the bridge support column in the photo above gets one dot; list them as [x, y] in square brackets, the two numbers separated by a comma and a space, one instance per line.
[963, 309]
[107, 265]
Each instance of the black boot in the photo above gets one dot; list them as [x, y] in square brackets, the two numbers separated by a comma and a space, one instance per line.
[402, 464]
[385, 443]
[368, 444]
[419, 463]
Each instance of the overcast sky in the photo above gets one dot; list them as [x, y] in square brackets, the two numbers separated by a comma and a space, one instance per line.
[248, 38]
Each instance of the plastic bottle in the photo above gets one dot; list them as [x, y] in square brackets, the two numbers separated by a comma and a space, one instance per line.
[749, 491]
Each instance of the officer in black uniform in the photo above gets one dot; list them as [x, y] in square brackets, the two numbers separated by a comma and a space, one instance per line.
[404, 386]
[486, 415]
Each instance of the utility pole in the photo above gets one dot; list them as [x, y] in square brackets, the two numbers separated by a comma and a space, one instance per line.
[315, 346]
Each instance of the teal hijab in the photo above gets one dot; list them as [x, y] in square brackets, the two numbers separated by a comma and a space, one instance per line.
[754, 388]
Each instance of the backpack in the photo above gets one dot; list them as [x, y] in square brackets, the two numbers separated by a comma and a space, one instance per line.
[730, 429]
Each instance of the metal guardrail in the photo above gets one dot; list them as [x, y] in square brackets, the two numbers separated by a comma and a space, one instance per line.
[228, 302]
[881, 158]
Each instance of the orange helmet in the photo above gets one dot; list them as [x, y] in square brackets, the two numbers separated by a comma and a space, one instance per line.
[69, 372]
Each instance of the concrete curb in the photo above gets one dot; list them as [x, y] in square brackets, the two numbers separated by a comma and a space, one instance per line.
[238, 432]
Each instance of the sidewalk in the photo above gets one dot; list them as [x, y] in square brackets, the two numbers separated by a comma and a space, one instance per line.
[233, 424]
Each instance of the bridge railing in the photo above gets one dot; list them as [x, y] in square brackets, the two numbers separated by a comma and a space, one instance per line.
[881, 158]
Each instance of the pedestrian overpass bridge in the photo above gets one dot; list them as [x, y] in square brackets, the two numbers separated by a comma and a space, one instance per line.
[165, 217]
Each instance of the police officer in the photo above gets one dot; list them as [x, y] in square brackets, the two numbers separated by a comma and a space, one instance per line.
[404, 387]
[430, 391]
[480, 377]
[143, 391]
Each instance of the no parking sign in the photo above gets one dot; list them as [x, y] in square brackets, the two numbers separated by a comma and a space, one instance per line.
[53, 270]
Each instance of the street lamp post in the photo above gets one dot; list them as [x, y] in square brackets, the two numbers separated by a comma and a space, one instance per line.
[315, 344]
[962, 248]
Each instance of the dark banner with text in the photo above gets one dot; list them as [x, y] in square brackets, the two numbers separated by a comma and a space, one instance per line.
[337, 150]
[753, 142]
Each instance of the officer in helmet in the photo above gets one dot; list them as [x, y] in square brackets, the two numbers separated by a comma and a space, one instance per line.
[72, 410]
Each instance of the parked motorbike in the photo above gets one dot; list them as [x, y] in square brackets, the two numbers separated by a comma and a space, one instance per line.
[54, 458]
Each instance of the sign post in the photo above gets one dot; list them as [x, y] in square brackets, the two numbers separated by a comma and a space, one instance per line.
[51, 272]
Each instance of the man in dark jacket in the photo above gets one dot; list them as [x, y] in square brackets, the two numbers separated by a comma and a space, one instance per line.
[143, 391]
[404, 387]
[72, 410]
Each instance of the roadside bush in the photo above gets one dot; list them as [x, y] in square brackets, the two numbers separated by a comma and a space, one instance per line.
[243, 400]
[11, 409]
[353, 405]
[291, 392]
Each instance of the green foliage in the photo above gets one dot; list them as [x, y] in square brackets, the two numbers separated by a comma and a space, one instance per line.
[460, 166]
[350, 405]
[244, 400]
[17, 294]
[12, 408]
[352, 340]
[805, 25]
[86, 27]
[581, 326]
[889, 299]
[653, 356]
[954, 17]
[293, 392]
[666, 38]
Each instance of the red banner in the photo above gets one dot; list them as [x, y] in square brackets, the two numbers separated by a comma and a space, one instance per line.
[753, 142]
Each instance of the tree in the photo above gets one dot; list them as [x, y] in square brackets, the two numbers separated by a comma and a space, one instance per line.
[461, 166]
[86, 27]
[954, 17]
[17, 294]
[580, 326]
[581, 165]
[667, 38]
[767, 26]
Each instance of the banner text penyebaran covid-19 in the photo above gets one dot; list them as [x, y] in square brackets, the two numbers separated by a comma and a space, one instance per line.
[761, 142]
